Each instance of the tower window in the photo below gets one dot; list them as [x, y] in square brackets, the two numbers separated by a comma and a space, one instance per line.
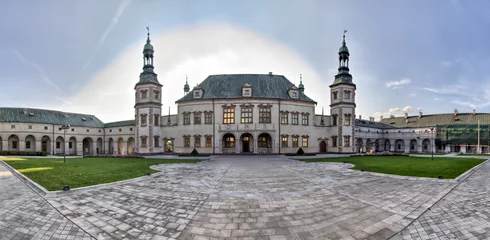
[334, 141]
[143, 120]
[346, 94]
[143, 94]
[155, 120]
[335, 95]
[157, 94]
[346, 141]
[347, 119]
[334, 120]
[144, 142]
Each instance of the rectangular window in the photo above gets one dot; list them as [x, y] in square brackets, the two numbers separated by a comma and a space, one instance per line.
[143, 94]
[197, 142]
[265, 115]
[88, 130]
[284, 118]
[58, 145]
[155, 120]
[30, 126]
[143, 120]
[334, 120]
[120, 130]
[70, 145]
[187, 119]
[346, 141]
[305, 142]
[334, 141]
[284, 142]
[305, 119]
[295, 142]
[247, 115]
[208, 118]
[12, 126]
[228, 115]
[156, 141]
[197, 118]
[144, 142]
[347, 120]
[130, 129]
[14, 144]
[28, 144]
[294, 118]
[46, 128]
[346, 94]
[209, 142]
[187, 142]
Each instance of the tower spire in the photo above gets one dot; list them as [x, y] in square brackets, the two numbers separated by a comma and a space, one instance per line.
[301, 87]
[343, 76]
[186, 86]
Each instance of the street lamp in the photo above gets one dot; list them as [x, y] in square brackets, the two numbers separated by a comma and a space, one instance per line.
[432, 143]
[64, 128]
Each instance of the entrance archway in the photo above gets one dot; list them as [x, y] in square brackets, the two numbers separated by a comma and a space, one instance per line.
[426, 145]
[111, 146]
[247, 142]
[399, 145]
[131, 145]
[60, 145]
[87, 146]
[46, 144]
[120, 146]
[264, 143]
[387, 145]
[323, 147]
[228, 145]
[99, 146]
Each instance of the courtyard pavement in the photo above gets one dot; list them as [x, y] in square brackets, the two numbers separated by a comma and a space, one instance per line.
[258, 197]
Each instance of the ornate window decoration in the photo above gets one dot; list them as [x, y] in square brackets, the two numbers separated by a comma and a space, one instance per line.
[334, 119]
[347, 94]
[187, 118]
[265, 113]
[197, 117]
[334, 141]
[156, 94]
[284, 140]
[187, 141]
[197, 141]
[346, 141]
[143, 118]
[304, 141]
[144, 93]
[144, 141]
[293, 92]
[208, 117]
[295, 118]
[305, 118]
[247, 90]
[294, 139]
[229, 114]
[284, 117]
[197, 92]
[209, 140]
[335, 95]
[347, 119]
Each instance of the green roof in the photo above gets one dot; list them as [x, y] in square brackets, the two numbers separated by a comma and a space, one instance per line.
[230, 86]
[30, 115]
[120, 124]
[372, 124]
[437, 119]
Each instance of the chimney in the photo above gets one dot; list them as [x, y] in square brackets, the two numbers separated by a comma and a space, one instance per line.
[420, 113]
[406, 115]
[360, 116]
[270, 73]
[474, 111]
[456, 112]
[371, 119]
[392, 116]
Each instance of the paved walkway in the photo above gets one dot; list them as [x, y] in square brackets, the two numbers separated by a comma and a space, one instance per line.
[259, 198]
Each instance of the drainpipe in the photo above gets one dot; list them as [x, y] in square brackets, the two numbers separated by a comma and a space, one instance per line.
[213, 128]
[279, 129]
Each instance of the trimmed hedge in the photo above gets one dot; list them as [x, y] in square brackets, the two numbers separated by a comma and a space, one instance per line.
[19, 153]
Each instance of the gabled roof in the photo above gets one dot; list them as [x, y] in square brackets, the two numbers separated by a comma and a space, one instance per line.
[30, 115]
[437, 119]
[230, 86]
[119, 124]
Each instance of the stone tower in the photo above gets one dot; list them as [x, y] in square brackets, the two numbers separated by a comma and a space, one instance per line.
[148, 105]
[343, 104]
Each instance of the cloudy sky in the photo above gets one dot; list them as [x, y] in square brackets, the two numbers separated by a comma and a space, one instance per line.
[85, 56]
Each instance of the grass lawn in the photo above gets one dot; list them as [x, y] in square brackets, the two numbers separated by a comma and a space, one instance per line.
[472, 154]
[53, 174]
[447, 167]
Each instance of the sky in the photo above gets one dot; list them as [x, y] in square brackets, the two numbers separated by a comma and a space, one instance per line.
[86, 56]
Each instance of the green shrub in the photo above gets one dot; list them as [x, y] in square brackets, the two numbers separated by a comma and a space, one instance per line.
[300, 151]
[194, 153]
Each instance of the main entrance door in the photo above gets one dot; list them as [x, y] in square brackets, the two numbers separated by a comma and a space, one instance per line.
[246, 140]
[323, 147]
[44, 146]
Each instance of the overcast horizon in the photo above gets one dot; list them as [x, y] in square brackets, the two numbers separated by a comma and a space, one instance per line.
[86, 56]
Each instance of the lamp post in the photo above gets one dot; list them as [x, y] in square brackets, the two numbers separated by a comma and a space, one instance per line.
[432, 144]
[64, 128]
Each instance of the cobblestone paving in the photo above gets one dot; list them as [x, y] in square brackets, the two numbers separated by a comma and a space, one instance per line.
[463, 214]
[25, 215]
[253, 198]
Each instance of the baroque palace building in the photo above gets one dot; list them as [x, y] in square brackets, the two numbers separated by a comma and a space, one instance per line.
[240, 113]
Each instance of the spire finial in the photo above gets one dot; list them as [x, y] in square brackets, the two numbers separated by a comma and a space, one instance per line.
[148, 28]
[345, 30]
[186, 78]
[300, 78]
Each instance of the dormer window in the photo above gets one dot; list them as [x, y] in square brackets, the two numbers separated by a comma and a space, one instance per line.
[293, 92]
[247, 90]
[197, 92]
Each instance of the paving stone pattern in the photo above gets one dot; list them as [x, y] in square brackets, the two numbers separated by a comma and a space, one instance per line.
[268, 197]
